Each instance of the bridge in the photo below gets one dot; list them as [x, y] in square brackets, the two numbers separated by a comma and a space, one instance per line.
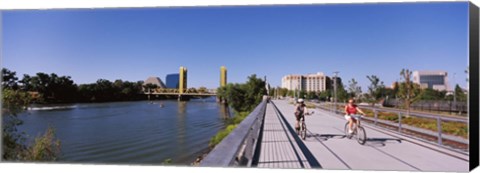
[182, 92]
[185, 95]
[187, 92]
[266, 139]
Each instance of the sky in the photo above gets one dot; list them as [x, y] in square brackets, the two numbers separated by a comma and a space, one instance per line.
[273, 41]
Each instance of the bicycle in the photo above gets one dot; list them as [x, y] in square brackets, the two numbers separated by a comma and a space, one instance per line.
[358, 130]
[302, 130]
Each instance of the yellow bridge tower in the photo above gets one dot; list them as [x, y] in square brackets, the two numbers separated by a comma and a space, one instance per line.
[223, 76]
[182, 86]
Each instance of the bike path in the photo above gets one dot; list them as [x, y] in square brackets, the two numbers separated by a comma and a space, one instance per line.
[326, 141]
[279, 148]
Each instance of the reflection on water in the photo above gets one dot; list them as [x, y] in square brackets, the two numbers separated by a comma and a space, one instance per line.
[181, 123]
[131, 132]
[224, 110]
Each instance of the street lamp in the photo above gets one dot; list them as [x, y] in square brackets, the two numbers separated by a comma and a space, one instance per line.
[335, 91]
[454, 93]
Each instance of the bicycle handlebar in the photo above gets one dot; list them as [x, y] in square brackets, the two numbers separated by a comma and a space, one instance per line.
[356, 116]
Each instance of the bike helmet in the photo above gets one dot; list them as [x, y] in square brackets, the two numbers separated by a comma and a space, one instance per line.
[300, 100]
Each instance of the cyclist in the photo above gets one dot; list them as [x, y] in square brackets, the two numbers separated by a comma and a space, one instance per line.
[300, 112]
[351, 109]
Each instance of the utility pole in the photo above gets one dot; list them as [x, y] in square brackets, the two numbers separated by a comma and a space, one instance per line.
[275, 93]
[299, 88]
[335, 91]
[454, 93]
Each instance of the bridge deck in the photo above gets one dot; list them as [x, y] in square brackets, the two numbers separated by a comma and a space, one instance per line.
[183, 94]
[279, 149]
[328, 145]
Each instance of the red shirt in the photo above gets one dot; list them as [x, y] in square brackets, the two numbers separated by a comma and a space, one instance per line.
[351, 109]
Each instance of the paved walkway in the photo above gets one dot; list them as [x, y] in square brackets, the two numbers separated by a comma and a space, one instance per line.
[279, 148]
[326, 146]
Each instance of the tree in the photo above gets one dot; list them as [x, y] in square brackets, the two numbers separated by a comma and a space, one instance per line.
[149, 87]
[44, 148]
[302, 94]
[460, 93]
[396, 86]
[312, 95]
[282, 92]
[342, 94]
[25, 83]
[9, 79]
[290, 93]
[431, 94]
[244, 97]
[202, 90]
[255, 90]
[375, 90]
[41, 84]
[325, 95]
[13, 102]
[354, 89]
[408, 90]
[64, 89]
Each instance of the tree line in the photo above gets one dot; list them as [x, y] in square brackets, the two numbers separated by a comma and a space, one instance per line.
[52, 88]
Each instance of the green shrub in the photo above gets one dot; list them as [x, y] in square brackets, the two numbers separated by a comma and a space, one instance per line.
[45, 148]
[220, 135]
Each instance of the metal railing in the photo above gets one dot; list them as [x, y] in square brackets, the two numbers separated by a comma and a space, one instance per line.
[400, 127]
[238, 148]
[433, 105]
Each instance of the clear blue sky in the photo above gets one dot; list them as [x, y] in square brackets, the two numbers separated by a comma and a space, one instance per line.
[133, 44]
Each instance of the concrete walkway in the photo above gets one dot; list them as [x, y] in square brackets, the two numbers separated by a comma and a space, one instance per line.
[279, 149]
[326, 146]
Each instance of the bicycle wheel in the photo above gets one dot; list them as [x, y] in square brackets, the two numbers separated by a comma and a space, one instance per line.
[304, 131]
[348, 135]
[361, 135]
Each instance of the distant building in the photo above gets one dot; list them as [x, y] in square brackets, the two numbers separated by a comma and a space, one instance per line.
[436, 80]
[154, 80]
[173, 80]
[292, 82]
[331, 82]
[310, 82]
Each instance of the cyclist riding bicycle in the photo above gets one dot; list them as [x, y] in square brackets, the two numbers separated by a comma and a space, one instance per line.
[351, 109]
[300, 111]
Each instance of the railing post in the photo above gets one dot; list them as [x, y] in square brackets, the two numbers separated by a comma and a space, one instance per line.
[400, 122]
[375, 112]
[439, 128]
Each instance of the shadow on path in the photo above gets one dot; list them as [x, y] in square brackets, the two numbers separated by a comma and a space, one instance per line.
[325, 137]
[381, 142]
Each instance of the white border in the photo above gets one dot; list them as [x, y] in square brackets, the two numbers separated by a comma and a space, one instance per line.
[62, 4]
[74, 4]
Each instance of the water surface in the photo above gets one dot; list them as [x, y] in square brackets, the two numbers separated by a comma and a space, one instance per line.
[140, 132]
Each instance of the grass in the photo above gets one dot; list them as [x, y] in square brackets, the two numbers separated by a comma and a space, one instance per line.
[232, 124]
[310, 106]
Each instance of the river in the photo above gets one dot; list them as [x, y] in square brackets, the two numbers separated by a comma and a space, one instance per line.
[140, 132]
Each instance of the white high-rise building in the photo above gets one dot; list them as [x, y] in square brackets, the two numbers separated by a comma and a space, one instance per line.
[436, 80]
[292, 82]
[310, 82]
